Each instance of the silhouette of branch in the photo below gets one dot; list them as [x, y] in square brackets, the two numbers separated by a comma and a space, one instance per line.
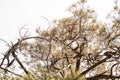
[108, 56]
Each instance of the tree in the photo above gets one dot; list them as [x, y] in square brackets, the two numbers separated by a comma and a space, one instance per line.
[74, 47]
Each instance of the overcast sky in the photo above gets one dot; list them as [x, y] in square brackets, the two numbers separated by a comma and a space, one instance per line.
[16, 13]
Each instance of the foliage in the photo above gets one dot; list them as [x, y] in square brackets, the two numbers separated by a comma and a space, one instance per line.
[74, 48]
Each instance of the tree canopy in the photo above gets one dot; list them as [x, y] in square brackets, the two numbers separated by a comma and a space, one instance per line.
[73, 48]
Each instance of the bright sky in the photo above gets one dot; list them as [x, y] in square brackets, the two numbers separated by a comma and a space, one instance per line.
[16, 13]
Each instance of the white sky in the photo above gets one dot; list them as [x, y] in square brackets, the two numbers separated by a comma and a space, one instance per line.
[15, 13]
